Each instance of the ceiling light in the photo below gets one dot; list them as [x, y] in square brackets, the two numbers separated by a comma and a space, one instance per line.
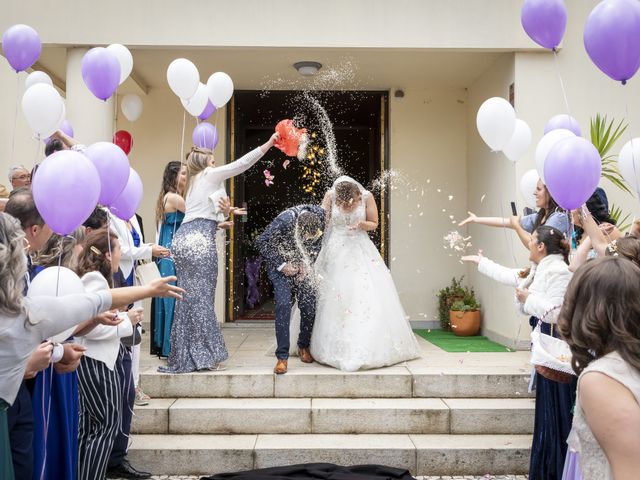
[307, 69]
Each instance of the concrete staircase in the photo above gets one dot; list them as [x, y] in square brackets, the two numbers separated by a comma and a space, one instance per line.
[443, 414]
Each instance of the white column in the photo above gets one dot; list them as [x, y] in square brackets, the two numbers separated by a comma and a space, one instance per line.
[91, 118]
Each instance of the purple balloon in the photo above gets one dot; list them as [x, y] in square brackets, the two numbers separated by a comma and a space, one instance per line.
[66, 190]
[67, 128]
[563, 121]
[544, 21]
[113, 168]
[572, 172]
[209, 110]
[205, 135]
[128, 201]
[101, 72]
[612, 38]
[22, 46]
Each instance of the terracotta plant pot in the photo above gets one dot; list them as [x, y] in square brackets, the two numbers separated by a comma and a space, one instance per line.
[464, 324]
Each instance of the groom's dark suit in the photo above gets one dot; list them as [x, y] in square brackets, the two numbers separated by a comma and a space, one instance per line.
[277, 245]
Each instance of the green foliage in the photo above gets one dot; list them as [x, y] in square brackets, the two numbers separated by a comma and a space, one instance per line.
[603, 136]
[455, 294]
[621, 222]
[462, 306]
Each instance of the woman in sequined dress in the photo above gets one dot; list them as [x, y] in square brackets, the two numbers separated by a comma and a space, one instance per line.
[196, 340]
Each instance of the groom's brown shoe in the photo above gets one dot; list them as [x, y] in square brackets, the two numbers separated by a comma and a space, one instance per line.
[281, 367]
[305, 355]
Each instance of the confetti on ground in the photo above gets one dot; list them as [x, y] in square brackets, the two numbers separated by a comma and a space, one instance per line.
[450, 197]
[482, 198]
[439, 190]
[286, 163]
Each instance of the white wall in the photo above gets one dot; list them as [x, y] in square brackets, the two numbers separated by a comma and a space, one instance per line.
[428, 152]
[491, 183]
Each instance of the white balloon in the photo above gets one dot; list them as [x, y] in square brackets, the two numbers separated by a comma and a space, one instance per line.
[196, 104]
[42, 107]
[629, 163]
[37, 77]
[520, 141]
[49, 283]
[131, 106]
[183, 78]
[528, 185]
[546, 144]
[496, 121]
[220, 89]
[125, 59]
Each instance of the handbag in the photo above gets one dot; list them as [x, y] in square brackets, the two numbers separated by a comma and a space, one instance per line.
[145, 273]
[134, 339]
[551, 356]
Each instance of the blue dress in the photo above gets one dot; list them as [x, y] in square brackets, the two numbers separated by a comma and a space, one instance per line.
[163, 308]
[55, 398]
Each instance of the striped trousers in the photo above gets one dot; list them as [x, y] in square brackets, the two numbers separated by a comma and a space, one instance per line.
[100, 403]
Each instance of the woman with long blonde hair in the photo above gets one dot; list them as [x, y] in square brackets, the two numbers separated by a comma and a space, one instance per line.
[196, 339]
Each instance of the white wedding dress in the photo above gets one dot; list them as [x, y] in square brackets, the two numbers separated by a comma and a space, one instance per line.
[360, 322]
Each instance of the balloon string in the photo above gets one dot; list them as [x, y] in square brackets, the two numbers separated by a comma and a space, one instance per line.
[59, 264]
[47, 415]
[633, 153]
[184, 121]
[564, 92]
[15, 118]
[115, 113]
[113, 275]
[507, 239]
[38, 140]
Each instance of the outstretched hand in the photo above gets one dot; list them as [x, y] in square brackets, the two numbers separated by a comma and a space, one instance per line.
[470, 219]
[163, 288]
[473, 258]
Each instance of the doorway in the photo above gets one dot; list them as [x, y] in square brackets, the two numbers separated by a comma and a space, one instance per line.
[359, 124]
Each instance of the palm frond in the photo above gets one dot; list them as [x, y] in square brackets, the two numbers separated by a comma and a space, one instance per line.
[616, 214]
[604, 136]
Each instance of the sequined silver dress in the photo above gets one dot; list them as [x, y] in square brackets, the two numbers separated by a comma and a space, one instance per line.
[196, 340]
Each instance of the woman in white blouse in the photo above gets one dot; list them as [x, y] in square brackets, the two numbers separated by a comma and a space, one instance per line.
[539, 292]
[98, 380]
[196, 340]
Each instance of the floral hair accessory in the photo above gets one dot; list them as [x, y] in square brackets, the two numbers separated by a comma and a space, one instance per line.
[612, 248]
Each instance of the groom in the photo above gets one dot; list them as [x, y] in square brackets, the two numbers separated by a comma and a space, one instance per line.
[290, 245]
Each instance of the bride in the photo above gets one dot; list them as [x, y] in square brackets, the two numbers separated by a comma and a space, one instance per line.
[360, 322]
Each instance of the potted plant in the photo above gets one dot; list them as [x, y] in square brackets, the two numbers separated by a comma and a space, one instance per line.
[446, 297]
[464, 315]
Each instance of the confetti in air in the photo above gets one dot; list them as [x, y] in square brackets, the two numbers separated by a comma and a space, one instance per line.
[456, 242]
[268, 178]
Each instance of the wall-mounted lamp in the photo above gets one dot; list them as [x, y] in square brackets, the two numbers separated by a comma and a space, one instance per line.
[307, 69]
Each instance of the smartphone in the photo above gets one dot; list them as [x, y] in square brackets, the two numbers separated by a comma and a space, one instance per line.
[514, 212]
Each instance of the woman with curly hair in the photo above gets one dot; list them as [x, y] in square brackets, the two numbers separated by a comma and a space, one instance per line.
[599, 321]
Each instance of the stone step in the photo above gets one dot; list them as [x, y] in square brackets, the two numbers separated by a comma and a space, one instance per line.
[421, 454]
[334, 416]
[311, 381]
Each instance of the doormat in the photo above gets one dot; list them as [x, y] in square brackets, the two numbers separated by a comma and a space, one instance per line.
[449, 342]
